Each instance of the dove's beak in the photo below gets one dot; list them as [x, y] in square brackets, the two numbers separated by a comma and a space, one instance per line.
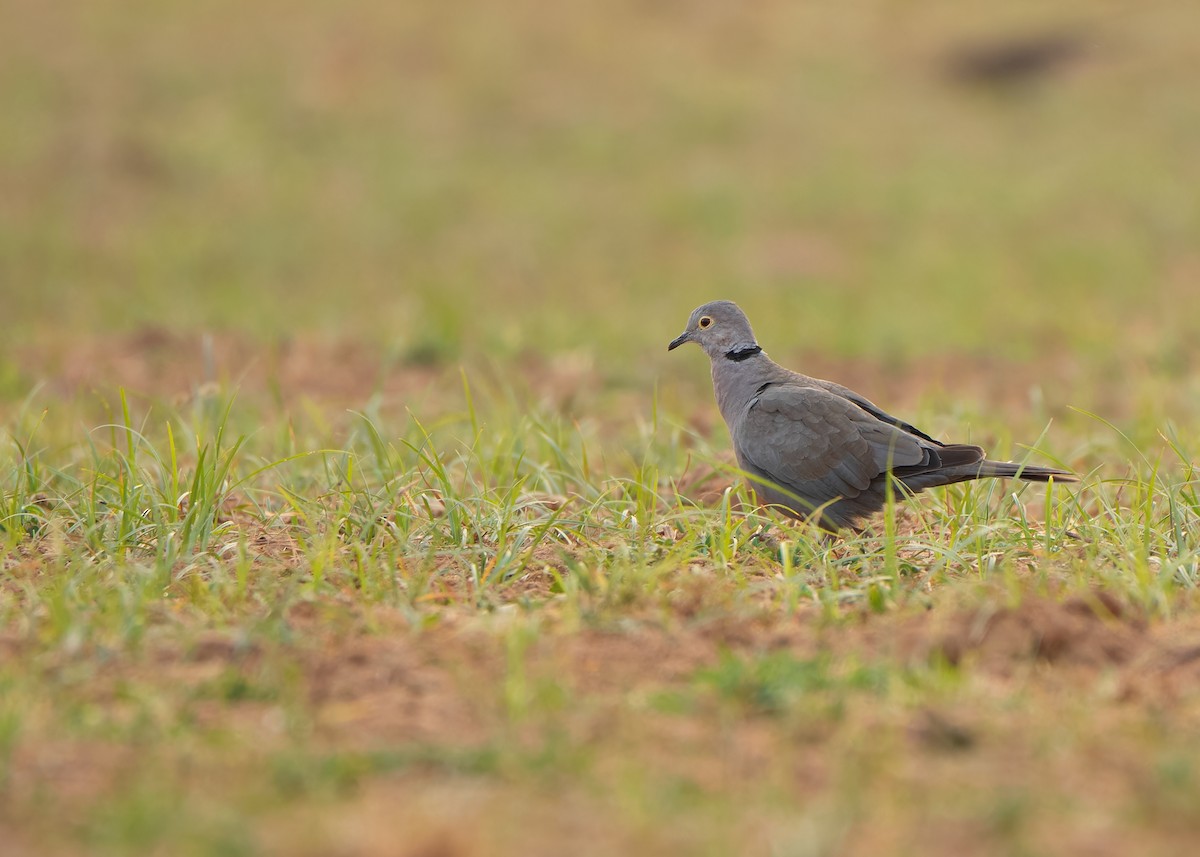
[679, 340]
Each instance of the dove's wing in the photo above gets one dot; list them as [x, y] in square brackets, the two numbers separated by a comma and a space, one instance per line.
[821, 446]
[873, 409]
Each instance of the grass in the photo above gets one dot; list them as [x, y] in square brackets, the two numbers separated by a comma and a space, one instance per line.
[175, 590]
[349, 501]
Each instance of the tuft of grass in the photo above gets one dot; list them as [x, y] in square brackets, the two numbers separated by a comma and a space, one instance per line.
[776, 682]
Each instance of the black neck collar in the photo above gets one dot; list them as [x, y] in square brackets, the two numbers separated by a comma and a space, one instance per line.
[740, 354]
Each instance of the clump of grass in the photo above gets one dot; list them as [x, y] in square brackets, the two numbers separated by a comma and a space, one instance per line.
[774, 682]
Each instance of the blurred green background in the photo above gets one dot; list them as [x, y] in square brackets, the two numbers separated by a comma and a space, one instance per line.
[495, 177]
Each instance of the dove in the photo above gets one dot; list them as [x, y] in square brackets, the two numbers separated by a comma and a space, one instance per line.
[815, 449]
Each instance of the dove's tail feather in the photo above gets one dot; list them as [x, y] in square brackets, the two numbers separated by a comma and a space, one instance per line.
[1028, 472]
[982, 469]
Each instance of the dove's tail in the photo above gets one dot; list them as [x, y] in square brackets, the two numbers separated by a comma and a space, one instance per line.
[1028, 472]
[982, 468]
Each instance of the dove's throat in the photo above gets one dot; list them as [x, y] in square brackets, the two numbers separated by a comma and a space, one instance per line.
[735, 382]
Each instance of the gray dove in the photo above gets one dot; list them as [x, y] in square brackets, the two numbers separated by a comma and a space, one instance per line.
[815, 448]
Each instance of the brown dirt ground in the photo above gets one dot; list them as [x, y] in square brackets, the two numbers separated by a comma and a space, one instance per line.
[442, 687]
[162, 363]
[396, 687]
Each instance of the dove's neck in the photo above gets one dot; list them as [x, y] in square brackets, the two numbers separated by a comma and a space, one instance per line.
[745, 352]
[737, 376]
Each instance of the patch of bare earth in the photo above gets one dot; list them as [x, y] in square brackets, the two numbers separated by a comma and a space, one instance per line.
[985, 753]
[1050, 731]
[164, 363]
[334, 372]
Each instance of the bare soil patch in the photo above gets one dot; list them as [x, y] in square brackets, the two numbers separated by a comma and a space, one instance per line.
[1090, 631]
[370, 681]
[170, 364]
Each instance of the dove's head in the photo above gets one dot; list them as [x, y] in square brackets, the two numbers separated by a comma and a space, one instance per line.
[721, 329]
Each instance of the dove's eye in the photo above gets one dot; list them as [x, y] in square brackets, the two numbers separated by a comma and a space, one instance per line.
[705, 321]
